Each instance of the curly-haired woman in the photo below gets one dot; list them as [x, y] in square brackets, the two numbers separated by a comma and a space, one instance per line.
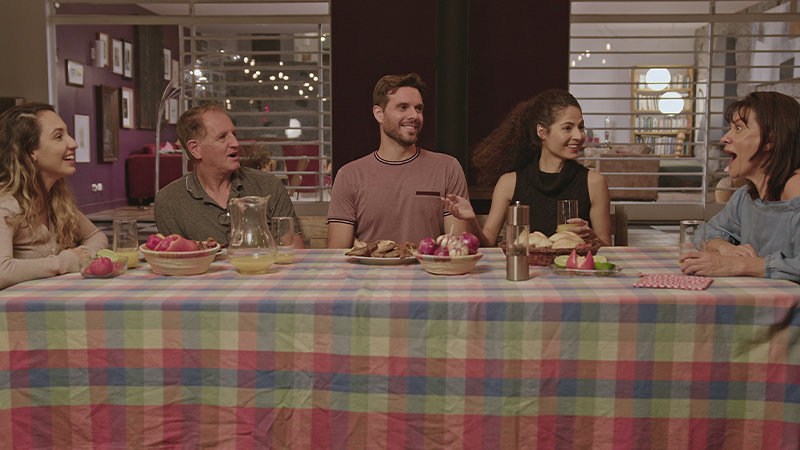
[42, 233]
[531, 156]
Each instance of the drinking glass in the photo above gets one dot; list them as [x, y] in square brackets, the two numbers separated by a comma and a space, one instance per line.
[567, 209]
[692, 237]
[283, 231]
[126, 240]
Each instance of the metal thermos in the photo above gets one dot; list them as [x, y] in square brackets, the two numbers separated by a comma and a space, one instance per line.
[517, 229]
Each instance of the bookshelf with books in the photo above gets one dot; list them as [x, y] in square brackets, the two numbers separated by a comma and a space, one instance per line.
[666, 132]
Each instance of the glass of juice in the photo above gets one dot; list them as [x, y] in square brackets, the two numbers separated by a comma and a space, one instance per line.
[283, 232]
[567, 209]
[126, 240]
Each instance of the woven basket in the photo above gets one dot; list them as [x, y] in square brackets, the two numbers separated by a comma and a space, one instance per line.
[448, 265]
[179, 263]
[543, 257]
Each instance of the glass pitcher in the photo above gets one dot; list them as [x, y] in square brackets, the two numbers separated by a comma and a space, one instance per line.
[252, 249]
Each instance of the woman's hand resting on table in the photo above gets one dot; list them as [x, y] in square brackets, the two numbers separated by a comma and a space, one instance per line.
[82, 255]
[730, 262]
[728, 249]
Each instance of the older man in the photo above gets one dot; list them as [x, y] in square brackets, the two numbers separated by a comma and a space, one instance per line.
[394, 192]
[195, 206]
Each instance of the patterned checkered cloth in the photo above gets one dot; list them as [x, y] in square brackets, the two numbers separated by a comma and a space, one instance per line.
[330, 353]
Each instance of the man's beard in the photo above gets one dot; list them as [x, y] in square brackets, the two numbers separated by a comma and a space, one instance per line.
[393, 131]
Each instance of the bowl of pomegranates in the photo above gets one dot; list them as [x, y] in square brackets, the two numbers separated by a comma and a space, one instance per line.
[177, 256]
[449, 254]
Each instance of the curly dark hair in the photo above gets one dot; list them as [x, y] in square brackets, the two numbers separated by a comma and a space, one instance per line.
[515, 143]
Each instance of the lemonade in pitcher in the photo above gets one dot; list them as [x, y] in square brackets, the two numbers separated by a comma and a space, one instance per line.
[252, 265]
[252, 249]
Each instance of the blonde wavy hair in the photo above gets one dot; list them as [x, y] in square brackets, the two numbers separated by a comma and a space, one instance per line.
[20, 177]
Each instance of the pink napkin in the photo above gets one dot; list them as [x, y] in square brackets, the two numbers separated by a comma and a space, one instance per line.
[671, 281]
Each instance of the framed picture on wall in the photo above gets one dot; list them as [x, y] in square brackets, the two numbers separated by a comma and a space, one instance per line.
[173, 111]
[127, 60]
[176, 69]
[83, 139]
[74, 73]
[102, 50]
[167, 64]
[116, 56]
[107, 123]
[126, 107]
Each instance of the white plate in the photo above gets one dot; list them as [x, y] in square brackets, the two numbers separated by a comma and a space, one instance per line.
[383, 261]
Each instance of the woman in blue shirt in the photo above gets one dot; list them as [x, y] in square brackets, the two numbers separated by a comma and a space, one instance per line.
[758, 232]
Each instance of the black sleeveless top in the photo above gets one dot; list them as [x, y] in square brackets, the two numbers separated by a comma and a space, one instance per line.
[541, 191]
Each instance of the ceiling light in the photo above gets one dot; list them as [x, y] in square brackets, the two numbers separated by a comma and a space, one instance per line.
[246, 59]
[246, 71]
[252, 62]
[272, 78]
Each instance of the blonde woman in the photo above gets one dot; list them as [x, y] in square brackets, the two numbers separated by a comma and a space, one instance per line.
[42, 233]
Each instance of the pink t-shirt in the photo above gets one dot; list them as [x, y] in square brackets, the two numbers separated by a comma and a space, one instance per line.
[397, 200]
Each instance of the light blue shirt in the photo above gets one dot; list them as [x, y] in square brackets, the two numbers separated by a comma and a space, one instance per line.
[772, 228]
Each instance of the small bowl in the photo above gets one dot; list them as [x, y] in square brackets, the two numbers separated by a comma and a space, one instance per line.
[179, 263]
[120, 267]
[448, 265]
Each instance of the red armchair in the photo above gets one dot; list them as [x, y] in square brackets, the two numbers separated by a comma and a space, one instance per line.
[140, 172]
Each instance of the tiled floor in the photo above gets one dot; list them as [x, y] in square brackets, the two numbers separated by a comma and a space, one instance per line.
[639, 235]
[657, 235]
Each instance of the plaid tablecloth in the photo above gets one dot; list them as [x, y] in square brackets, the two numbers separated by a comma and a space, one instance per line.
[330, 353]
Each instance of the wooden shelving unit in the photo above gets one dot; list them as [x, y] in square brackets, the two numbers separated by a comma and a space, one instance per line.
[667, 134]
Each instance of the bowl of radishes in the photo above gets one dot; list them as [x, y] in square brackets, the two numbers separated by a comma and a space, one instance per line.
[449, 254]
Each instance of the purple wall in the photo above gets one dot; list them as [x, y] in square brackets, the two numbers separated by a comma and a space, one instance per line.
[74, 42]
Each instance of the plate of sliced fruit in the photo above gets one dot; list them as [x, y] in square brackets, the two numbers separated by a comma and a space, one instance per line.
[580, 266]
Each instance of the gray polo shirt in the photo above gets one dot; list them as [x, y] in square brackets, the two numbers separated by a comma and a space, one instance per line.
[183, 207]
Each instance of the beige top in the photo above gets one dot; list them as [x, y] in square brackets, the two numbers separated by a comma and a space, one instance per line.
[22, 258]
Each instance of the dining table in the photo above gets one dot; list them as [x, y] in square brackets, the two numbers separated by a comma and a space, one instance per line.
[330, 352]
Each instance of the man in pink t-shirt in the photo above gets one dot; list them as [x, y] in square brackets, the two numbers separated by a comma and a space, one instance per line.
[394, 193]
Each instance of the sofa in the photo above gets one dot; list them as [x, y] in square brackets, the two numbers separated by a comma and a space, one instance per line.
[635, 162]
[140, 170]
